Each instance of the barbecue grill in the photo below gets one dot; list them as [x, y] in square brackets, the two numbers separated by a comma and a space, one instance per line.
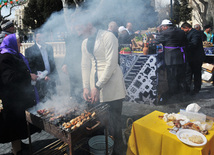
[67, 135]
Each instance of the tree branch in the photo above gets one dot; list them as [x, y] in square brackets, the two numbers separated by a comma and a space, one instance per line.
[203, 2]
[198, 7]
[198, 18]
[14, 5]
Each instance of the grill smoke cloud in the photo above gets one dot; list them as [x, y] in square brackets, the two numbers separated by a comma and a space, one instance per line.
[138, 12]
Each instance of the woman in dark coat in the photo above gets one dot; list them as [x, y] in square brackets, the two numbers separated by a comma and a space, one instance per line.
[16, 92]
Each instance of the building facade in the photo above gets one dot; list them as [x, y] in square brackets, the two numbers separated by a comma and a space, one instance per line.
[19, 15]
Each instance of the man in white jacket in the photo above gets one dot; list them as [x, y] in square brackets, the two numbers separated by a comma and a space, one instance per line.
[102, 76]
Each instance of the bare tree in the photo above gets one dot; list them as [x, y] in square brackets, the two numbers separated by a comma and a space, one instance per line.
[66, 4]
[210, 13]
[163, 10]
[76, 9]
[201, 7]
[11, 7]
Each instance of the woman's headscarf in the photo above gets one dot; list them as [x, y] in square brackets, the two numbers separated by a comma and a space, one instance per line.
[9, 45]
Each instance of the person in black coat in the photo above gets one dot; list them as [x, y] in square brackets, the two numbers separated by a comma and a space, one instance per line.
[40, 57]
[124, 37]
[173, 41]
[195, 56]
[198, 28]
[7, 27]
[16, 92]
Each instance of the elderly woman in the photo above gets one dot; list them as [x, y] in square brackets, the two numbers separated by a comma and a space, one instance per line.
[16, 92]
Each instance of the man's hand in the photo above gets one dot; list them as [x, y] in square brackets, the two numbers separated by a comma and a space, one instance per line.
[64, 69]
[86, 95]
[33, 76]
[95, 95]
[137, 32]
[47, 78]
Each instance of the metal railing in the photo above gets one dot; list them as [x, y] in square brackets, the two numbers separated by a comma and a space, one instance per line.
[58, 47]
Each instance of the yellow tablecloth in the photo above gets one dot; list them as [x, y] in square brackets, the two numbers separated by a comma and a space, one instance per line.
[149, 136]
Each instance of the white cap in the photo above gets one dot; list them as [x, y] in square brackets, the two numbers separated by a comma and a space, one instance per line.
[121, 29]
[166, 22]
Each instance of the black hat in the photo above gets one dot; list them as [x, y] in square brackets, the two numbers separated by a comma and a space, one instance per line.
[7, 25]
[207, 26]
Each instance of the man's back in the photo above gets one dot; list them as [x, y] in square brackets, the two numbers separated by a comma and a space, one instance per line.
[172, 39]
[194, 47]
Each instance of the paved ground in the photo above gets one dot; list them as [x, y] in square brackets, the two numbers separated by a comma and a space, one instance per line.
[135, 111]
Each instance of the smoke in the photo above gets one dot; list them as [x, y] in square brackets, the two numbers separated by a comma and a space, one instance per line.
[66, 25]
[139, 12]
[61, 104]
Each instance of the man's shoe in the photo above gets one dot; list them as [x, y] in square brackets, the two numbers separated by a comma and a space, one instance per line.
[194, 92]
[18, 153]
[187, 90]
[24, 146]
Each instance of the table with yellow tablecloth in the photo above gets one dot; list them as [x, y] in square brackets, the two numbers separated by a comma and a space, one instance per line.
[150, 136]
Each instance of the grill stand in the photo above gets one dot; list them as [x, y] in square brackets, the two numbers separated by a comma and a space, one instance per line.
[71, 151]
[62, 135]
[106, 136]
[29, 138]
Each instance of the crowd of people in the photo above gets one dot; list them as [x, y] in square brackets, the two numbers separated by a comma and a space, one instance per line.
[91, 62]
[184, 55]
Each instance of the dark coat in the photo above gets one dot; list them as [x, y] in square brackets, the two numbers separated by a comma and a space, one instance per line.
[17, 95]
[203, 36]
[125, 38]
[172, 37]
[36, 63]
[194, 49]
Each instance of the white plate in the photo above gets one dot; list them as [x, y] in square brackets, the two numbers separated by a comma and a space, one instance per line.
[184, 134]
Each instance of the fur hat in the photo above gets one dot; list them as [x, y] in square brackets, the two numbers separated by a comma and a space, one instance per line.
[7, 25]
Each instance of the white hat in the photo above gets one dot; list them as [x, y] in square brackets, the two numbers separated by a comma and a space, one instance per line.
[121, 29]
[166, 22]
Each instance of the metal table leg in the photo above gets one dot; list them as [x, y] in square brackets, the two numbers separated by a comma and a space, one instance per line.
[71, 151]
[106, 137]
